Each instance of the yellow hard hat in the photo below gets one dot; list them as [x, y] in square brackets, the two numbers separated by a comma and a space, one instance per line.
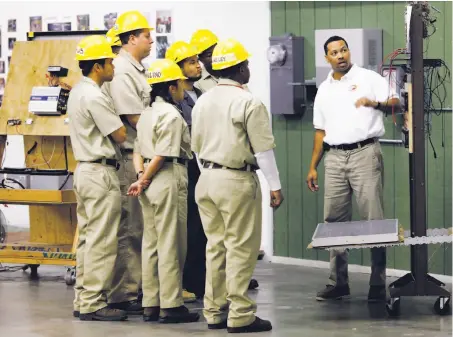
[113, 39]
[94, 47]
[164, 70]
[228, 53]
[202, 39]
[129, 21]
[180, 50]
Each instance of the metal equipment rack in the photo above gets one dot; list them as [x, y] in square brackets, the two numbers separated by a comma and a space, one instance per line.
[418, 282]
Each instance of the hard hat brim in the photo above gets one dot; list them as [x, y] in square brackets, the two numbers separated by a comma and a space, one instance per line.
[167, 80]
[130, 30]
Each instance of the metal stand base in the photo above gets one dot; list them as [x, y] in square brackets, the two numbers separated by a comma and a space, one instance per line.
[409, 286]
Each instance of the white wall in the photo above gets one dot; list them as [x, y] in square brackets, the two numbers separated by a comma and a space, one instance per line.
[249, 22]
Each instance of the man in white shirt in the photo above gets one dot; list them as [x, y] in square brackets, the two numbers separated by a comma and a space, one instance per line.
[348, 120]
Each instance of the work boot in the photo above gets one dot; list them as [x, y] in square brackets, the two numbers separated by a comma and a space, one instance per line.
[253, 284]
[105, 314]
[151, 314]
[131, 307]
[259, 325]
[376, 294]
[333, 293]
[76, 313]
[188, 296]
[178, 315]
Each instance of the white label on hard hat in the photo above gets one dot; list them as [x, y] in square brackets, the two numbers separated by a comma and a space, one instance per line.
[80, 51]
[224, 58]
[154, 74]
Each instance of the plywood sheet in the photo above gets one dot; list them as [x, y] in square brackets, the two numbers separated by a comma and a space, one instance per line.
[28, 68]
[47, 152]
[30, 197]
[55, 225]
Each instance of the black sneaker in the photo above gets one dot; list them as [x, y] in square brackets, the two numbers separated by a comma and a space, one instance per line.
[131, 307]
[151, 314]
[105, 314]
[178, 315]
[259, 325]
[333, 293]
[253, 284]
[218, 326]
[377, 294]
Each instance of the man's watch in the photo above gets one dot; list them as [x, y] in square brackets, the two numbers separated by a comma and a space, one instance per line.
[138, 174]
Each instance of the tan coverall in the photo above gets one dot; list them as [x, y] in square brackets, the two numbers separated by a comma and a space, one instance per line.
[229, 198]
[97, 189]
[206, 82]
[130, 94]
[162, 131]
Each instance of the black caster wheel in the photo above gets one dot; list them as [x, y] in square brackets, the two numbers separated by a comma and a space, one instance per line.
[442, 306]
[70, 276]
[393, 307]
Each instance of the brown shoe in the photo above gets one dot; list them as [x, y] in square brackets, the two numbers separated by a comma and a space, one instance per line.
[105, 314]
[151, 314]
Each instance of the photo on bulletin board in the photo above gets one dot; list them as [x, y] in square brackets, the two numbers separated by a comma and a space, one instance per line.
[1, 100]
[109, 20]
[35, 23]
[83, 22]
[12, 26]
[0, 41]
[162, 44]
[163, 22]
[59, 26]
[11, 41]
[2, 67]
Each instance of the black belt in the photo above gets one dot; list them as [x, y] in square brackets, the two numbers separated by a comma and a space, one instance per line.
[246, 168]
[349, 147]
[127, 150]
[171, 160]
[105, 161]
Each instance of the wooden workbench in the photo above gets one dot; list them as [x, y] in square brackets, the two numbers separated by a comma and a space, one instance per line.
[53, 221]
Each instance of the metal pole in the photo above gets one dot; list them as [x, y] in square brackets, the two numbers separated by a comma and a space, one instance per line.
[419, 253]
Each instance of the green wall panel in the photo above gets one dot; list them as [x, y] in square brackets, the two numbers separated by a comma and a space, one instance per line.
[296, 220]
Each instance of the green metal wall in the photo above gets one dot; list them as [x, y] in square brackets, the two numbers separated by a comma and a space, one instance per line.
[296, 220]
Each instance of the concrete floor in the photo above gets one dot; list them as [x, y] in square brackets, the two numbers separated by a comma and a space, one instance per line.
[286, 297]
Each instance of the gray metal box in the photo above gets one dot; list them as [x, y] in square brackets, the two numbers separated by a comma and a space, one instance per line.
[51, 180]
[15, 178]
[286, 58]
[365, 46]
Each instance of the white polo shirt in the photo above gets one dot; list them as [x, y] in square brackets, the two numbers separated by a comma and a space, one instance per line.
[334, 107]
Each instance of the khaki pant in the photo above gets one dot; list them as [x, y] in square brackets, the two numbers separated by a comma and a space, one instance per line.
[164, 205]
[358, 172]
[127, 275]
[97, 190]
[230, 209]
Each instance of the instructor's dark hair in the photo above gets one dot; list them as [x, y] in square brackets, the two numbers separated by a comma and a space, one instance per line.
[125, 36]
[333, 39]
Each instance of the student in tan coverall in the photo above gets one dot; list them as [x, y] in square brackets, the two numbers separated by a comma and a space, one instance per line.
[163, 144]
[232, 144]
[94, 129]
[205, 41]
[130, 94]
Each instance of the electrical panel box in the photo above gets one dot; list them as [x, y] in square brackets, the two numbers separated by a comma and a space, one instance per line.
[286, 58]
[395, 78]
[48, 101]
[365, 46]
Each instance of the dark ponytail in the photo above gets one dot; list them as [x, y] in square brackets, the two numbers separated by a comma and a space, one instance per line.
[162, 90]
